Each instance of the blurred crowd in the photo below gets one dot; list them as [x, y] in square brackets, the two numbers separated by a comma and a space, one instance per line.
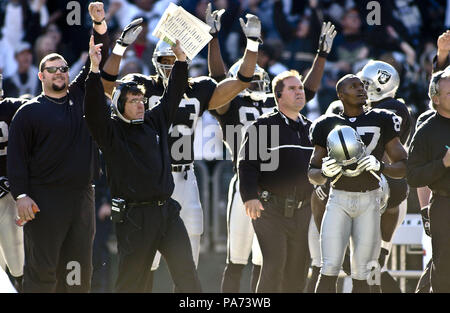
[405, 37]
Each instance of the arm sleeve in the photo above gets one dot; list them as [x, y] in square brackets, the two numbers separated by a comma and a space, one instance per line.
[421, 170]
[309, 94]
[280, 21]
[249, 166]
[437, 68]
[19, 153]
[97, 112]
[176, 87]
[79, 81]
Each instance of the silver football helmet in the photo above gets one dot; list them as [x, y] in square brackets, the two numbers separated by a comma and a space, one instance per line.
[380, 79]
[162, 49]
[259, 86]
[345, 146]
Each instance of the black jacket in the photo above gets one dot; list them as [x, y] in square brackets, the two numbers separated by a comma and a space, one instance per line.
[428, 147]
[285, 173]
[137, 157]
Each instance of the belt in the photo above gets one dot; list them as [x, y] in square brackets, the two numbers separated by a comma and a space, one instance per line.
[181, 168]
[145, 204]
[441, 193]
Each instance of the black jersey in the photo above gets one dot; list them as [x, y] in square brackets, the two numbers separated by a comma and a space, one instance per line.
[376, 128]
[191, 107]
[8, 107]
[404, 121]
[242, 112]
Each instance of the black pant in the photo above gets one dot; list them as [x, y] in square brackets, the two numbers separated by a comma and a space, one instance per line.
[284, 247]
[440, 242]
[58, 242]
[145, 230]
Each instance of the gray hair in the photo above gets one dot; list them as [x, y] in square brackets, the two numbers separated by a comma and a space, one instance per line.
[433, 90]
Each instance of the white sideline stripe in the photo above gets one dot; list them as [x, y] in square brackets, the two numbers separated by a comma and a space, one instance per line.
[291, 146]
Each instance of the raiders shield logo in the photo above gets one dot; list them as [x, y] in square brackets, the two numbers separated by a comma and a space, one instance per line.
[383, 76]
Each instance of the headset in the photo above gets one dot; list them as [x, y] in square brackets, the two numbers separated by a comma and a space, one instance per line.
[119, 99]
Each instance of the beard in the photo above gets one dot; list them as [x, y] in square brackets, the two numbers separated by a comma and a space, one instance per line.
[58, 88]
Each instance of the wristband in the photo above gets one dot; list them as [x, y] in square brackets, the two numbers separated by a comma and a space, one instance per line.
[119, 49]
[23, 195]
[108, 77]
[322, 53]
[243, 78]
[98, 23]
[252, 45]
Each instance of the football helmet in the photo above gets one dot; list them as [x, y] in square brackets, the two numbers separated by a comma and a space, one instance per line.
[118, 100]
[345, 146]
[380, 79]
[162, 49]
[259, 86]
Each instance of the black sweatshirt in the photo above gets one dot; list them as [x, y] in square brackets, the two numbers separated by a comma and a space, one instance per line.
[137, 157]
[428, 147]
[288, 173]
[49, 143]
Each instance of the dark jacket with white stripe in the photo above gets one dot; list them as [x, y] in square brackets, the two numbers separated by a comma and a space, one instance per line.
[274, 156]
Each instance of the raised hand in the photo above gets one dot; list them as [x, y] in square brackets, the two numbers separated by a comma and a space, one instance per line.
[213, 19]
[95, 54]
[179, 53]
[96, 11]
[327, 35]
[251, 29]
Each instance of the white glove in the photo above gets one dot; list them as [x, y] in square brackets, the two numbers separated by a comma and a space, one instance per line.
[130, 33]
[252, 30]
[213, 19]
[128, 36]
[327, 35]
[330, 167]
[369, 163]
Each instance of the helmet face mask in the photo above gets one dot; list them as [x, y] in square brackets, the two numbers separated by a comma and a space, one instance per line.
[162, 49]
[259, 86]
[380, 79]
[345, 146]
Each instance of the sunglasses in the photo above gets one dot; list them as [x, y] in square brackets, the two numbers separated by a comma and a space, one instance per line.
[53, 69]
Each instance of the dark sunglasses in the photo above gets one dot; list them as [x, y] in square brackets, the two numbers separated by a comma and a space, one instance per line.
[53, 69]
